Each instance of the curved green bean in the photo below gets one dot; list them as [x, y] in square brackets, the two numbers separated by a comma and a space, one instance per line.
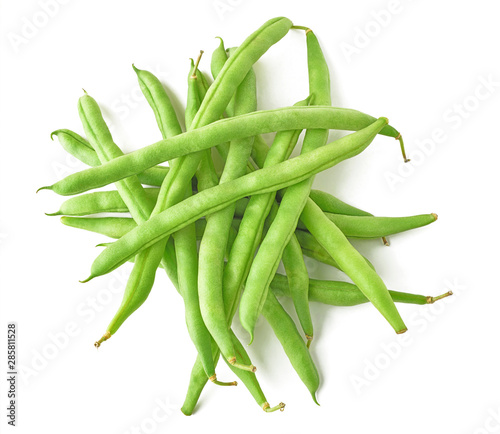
[214, 241]
[81, 149]
[252, 124]
[352, 263]
[283, 227]
[206, 202]
[376, 227]
[98, 202]
[295, 348]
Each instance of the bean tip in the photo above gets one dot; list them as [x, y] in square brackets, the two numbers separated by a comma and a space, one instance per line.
[433, 214]
[186, 412]
[386, 242]
[87, 279]
[47, 187]
[400, 332]
[51, 214]
[221, 43]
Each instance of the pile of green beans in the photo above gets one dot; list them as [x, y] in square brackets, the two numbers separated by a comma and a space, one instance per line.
[221, 231]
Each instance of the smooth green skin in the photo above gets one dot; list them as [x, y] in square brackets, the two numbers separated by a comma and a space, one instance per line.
[337, 293]
[295, 348]
[295, 268]
[209, 201]
[140, 206]
[214, 241]
[81, 149]
[313, 249]
[352, 263]
[218, 95]
[334, 293]
[116, 227]
[252, 124]
[298, 277]
[98, 202]
[259, 151]
[142, 277]
[218, 59]
[353, 226]
[331, 204]
[130, 189]
[113, 227]
[185, 239]
[252, 224]
[270, 253]
[197, 382]
[215, 101]
[376, 227]
[187, 259]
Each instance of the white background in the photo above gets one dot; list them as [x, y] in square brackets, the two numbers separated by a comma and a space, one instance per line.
[421, 69]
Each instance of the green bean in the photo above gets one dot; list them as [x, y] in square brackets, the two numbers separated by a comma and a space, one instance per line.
[197, 382]
[81, 149]
[346, 294]
[117, 227]
[242, 370]
[295, 267]
[259, 151]
[311, 248]
[296, 350]
[214, 241]
[352, 263]
[113, 227]
[250, 230]
[98, 202]
[217, 132]
[376, 227]
[131, 191]
[283, 227]
[331, 204]
[110, 201]
[212, 107]
[298, 277]
[185, 239]
[142, 277]
[206, 202]
[214, 317]
[187, 257]
[219, 59]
